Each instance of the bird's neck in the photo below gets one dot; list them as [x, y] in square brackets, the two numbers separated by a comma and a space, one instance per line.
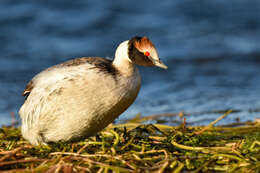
[122, 62]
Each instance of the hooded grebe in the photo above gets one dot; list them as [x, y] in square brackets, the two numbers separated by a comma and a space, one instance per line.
[78, 98]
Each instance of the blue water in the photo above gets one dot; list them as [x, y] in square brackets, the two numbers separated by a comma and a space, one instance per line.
[212, 49]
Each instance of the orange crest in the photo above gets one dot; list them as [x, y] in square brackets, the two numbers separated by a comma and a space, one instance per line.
[144, 45]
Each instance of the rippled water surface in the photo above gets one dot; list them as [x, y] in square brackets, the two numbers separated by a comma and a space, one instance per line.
[212, 49]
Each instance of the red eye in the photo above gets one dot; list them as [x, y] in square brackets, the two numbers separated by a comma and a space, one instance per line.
[146, 53]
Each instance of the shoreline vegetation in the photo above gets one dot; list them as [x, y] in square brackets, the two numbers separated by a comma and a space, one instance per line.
[137, 147]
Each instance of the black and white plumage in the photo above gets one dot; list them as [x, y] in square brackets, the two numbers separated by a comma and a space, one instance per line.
[76, 99]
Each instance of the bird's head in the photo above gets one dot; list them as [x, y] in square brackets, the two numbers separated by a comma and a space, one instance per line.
[140, 51]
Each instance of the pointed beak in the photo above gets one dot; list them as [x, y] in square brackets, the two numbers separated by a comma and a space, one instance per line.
[159, 63]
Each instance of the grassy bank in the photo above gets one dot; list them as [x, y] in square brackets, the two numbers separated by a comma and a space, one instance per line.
[133, 147]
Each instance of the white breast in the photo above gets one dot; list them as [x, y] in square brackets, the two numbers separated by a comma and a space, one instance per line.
[74, 102]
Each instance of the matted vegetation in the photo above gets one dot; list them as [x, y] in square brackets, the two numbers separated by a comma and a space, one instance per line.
[134, 147]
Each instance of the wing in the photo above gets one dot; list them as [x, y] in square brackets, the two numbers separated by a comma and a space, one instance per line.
[28, 89]
[67, 70]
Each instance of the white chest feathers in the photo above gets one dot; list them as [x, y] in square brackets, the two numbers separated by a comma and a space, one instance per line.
[76, 102]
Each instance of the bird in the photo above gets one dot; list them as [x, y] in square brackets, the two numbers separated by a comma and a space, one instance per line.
[78, 98]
